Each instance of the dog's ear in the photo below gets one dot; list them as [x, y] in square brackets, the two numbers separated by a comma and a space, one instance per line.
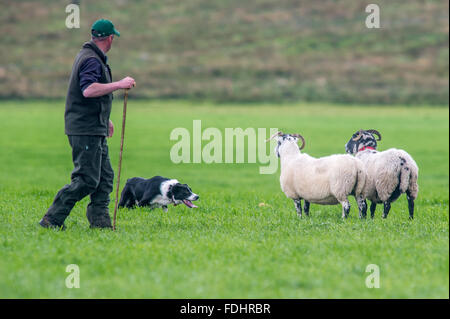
[170, 191]
[174, 187]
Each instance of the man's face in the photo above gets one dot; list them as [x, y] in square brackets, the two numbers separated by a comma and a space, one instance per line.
[109, 42]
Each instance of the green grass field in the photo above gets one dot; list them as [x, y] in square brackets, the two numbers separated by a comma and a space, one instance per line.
[229, 247]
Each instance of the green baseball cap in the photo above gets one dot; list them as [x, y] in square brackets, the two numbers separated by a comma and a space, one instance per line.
[103, 28]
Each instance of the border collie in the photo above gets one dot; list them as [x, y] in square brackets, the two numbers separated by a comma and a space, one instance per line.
[157, 191]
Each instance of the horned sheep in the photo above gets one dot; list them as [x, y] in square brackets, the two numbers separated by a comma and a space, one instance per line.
[390, 173]
[326, 180]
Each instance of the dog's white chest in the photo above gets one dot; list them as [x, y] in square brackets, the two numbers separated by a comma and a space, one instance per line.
[161, 200]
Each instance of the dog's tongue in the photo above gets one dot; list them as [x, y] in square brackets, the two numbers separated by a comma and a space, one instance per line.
[189, 204]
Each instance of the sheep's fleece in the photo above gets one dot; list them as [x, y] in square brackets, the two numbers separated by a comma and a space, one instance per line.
[326, 180]
[385, 171]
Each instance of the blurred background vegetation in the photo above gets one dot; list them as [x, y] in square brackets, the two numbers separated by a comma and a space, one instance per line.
[234, 50]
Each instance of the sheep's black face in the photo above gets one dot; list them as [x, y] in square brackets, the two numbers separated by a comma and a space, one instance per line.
[360, 140]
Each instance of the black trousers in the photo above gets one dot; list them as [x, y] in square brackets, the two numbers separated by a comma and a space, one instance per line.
[92, 175]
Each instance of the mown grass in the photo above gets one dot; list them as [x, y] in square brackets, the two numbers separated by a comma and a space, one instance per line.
[229, 247]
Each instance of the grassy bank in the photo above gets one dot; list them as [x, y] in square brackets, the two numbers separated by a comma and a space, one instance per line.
[256, 50]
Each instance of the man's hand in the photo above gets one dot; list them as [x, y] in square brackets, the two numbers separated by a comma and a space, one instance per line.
[111, 129]
[100, 89]
[127, 83]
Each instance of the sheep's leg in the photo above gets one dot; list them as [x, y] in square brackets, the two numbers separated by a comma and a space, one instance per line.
[387, 208]
[410, 205]
[298, 207]
[362, 205]
[345, 208]
[306, 208]
[373, 206]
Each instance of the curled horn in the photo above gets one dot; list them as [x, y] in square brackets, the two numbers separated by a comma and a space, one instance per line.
[276, 134]
[358, 137]
[376, 133]
[300, 137]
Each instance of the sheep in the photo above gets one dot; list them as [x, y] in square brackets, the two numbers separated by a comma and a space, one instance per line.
[327, 180]
[390, 173]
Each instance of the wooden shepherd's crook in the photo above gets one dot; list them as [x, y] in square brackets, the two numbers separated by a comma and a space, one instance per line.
[125, 98]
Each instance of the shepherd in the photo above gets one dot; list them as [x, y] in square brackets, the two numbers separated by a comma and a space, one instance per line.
[87, 124]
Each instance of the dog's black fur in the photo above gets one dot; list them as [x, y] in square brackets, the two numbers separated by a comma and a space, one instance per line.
[157, 191]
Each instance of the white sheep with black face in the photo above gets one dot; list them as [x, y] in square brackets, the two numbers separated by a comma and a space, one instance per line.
[389, 173]
[327, 180]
